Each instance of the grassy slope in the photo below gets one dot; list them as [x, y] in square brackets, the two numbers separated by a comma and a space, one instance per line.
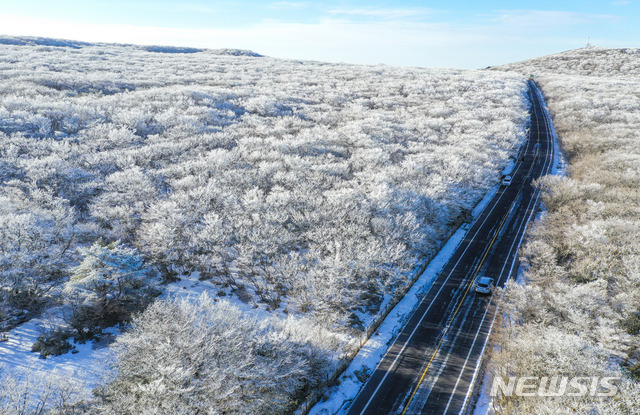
[579, 314]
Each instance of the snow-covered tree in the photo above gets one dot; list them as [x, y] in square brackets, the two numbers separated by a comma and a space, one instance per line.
[207, 356]
[29, 393]
[37, 236]
[110, 283]
[125, 196]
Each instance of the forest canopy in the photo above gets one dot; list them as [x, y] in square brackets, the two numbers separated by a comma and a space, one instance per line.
[305, 189]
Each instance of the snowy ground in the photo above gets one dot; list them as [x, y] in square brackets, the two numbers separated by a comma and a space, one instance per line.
[483, 403]
[190, 287]
[89, 361]
[83, 367]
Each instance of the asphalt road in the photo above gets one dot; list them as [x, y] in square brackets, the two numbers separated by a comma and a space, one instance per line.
[433, 364]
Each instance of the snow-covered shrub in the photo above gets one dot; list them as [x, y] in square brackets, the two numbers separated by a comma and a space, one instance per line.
[631, 323]
[27, 393]
[37, 232]
[207, 356]
[110, 283]
[124, 198]
[53, 343]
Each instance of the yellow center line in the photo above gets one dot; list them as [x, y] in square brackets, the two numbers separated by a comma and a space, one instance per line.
[470, 284]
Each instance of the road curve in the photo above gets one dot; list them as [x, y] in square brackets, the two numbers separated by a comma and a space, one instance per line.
[433, 363]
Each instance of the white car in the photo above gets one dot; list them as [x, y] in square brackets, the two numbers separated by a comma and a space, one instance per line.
[506, 181]
[484, 285]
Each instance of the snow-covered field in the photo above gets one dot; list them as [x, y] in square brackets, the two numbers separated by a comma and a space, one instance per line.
[579, 312]
[592, 62]
[304, 193]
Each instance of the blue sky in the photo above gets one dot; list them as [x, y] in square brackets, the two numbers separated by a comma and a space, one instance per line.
[463, 34]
